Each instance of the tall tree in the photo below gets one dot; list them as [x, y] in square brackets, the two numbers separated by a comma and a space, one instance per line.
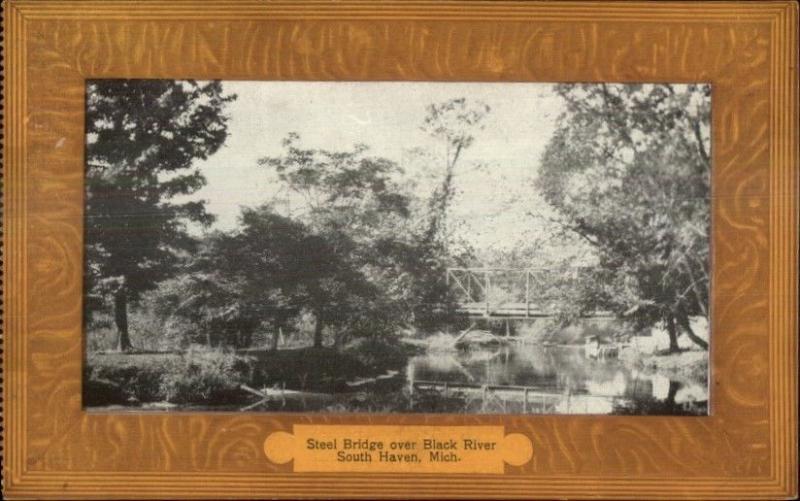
[143, 137]
[354, 210]
[628, 169]
[455, 123]
[284, 267]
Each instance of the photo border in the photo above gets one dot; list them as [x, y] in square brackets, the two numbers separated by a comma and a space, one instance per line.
[746, 50]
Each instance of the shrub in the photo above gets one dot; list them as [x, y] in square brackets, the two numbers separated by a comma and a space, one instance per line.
[100, 338]
[311, 369]
[203, 376]
[378, 354]
[101, 334]
[136, 376]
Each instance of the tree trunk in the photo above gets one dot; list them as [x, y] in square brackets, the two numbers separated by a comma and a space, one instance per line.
[276, 335]
[340, 340]
[674, 386]
[683, 320]
[121, 319]
[673, 334]
[318, 330]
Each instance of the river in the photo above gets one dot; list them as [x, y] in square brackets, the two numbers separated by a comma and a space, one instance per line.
[558, 380]
[501, 378]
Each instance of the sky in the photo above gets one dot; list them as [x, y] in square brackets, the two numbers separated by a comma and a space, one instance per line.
[387, 117]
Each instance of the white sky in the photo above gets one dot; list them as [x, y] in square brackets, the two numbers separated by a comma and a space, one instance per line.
[387, 117]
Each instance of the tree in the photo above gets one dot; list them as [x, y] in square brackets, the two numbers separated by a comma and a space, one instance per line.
[354, 211]
[143, 137]
[628, 169]
[429, 250]
[351, 190]
[455, 123]
[283, 266]
[200, 306]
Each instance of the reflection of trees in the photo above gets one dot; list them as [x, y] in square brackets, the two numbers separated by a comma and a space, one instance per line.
[562, 371]
[641, 388]
[668, 406]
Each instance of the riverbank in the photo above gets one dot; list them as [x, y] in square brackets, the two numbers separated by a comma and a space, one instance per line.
[201, 376]
[687, 365]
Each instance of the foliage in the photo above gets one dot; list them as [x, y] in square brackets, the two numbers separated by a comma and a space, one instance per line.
[142, 139]
[312, 369]
[284, 268]
[378, 354]
[348, 251]
[131, 378]
[203, 376]
[200, 306]
[628, 170]
[199, 375]
[349, 192]
[100, 333]
[352, 210]
[455, 122]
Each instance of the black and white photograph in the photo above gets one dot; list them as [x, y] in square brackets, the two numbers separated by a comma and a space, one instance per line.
[397, 247]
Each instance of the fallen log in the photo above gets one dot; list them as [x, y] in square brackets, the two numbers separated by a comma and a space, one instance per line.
[362, 381]
[284, 393]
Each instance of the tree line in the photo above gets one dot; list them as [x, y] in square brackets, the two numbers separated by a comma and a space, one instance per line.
[361, 251]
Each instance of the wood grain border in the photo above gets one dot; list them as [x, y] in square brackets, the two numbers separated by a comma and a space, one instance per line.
[747, 50]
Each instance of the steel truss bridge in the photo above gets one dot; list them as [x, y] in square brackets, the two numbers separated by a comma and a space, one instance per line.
[512, 293]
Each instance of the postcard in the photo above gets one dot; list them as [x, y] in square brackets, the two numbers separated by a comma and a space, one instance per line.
[397, 247]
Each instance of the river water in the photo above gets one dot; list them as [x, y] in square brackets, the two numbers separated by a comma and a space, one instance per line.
[504, 378]
[558, 379]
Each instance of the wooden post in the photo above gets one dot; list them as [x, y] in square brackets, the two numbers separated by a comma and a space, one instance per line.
[525, 402]
[527, 293]
[488, 282]
[569, 400]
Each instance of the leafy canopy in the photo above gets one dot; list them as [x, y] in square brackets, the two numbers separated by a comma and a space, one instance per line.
[143, 137]
[628, 169]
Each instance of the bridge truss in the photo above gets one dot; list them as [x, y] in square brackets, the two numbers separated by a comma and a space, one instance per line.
[512, 292]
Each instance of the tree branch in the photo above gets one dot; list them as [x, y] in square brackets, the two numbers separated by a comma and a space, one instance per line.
[700, 146]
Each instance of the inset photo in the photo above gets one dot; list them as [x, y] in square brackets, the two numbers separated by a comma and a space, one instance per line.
[397, 247]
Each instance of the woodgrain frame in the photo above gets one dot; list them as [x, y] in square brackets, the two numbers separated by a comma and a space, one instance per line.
[746, 50]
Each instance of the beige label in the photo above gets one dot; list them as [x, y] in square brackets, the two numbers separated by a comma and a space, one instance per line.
[411, 449]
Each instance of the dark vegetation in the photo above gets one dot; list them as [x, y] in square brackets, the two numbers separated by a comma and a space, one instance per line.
[628, 171]
[202, 376]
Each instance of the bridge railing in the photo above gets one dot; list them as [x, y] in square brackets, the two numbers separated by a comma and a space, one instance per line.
[480, 287]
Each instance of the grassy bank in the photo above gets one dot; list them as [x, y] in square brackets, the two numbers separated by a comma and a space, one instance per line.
[191, 377]
[686, 365]
[211, 377]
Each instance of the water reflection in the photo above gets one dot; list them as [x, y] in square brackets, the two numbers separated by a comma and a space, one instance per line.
[554, 379]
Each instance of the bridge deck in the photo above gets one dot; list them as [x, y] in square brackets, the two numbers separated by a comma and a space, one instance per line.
[513, 310]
